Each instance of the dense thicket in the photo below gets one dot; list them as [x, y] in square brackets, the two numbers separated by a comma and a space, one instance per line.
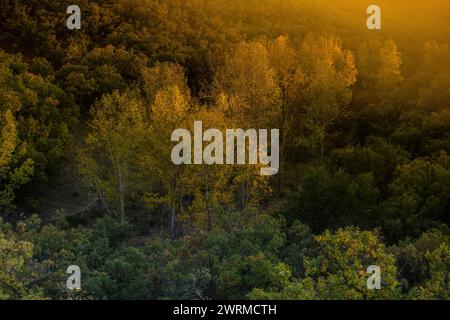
[86, 117]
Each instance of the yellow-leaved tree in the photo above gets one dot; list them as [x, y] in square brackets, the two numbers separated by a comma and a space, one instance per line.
[169, 111]
[330, 73]
[111, 158]
[248, 80]
[15, 168]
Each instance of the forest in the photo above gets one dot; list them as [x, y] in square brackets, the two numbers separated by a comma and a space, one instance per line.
[86, 177]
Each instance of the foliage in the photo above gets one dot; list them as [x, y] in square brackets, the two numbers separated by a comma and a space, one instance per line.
[364, 125]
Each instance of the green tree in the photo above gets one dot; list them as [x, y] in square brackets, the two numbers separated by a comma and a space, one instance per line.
[34, 116]
[411, 254]
[15, 168]
[17, 274]
[438, 286]
[340, 269]
[419, 197]
[326, 198]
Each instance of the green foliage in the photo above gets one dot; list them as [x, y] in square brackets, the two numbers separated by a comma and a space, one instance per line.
[414, 269]
[34, 118]
[365, 138]
[17, 272]
[342, 264]
[52, 248]
[420, 196]
[333, 199]
[111, 158]
[338, 270]
[439, 285]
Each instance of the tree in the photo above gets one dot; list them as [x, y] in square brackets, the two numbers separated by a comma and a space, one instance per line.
[16, 274]
[380, 76]
[378, 157]
[327, 198]
[412, 261]
[102, 70]
[433, 77]
[210, 186]
[438, 286]
[34, 118]
[291, 80]
[110, 160]
[169, 111]
[419, 197]
[123, 276]
[248, 80]
[330, 73]
[161, 76]
[15, 168]
[231, 264]
[340, 268]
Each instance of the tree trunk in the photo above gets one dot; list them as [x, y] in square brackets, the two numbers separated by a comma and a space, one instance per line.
[173, 217]
[122, 199]
[207, 201]
[173, 214]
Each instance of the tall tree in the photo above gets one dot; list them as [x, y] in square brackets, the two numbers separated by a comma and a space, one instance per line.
[110, 159]
[330, 74]
[169, 112]
[249, 82]
[380, 75]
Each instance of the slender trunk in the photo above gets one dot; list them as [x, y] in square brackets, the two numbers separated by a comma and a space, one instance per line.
[207, 201]
[173, 222]
[105, 205]
[322, 149]
[161, 222]
[173, 215]
[122, 199]
[282, 151]
[321, 152]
